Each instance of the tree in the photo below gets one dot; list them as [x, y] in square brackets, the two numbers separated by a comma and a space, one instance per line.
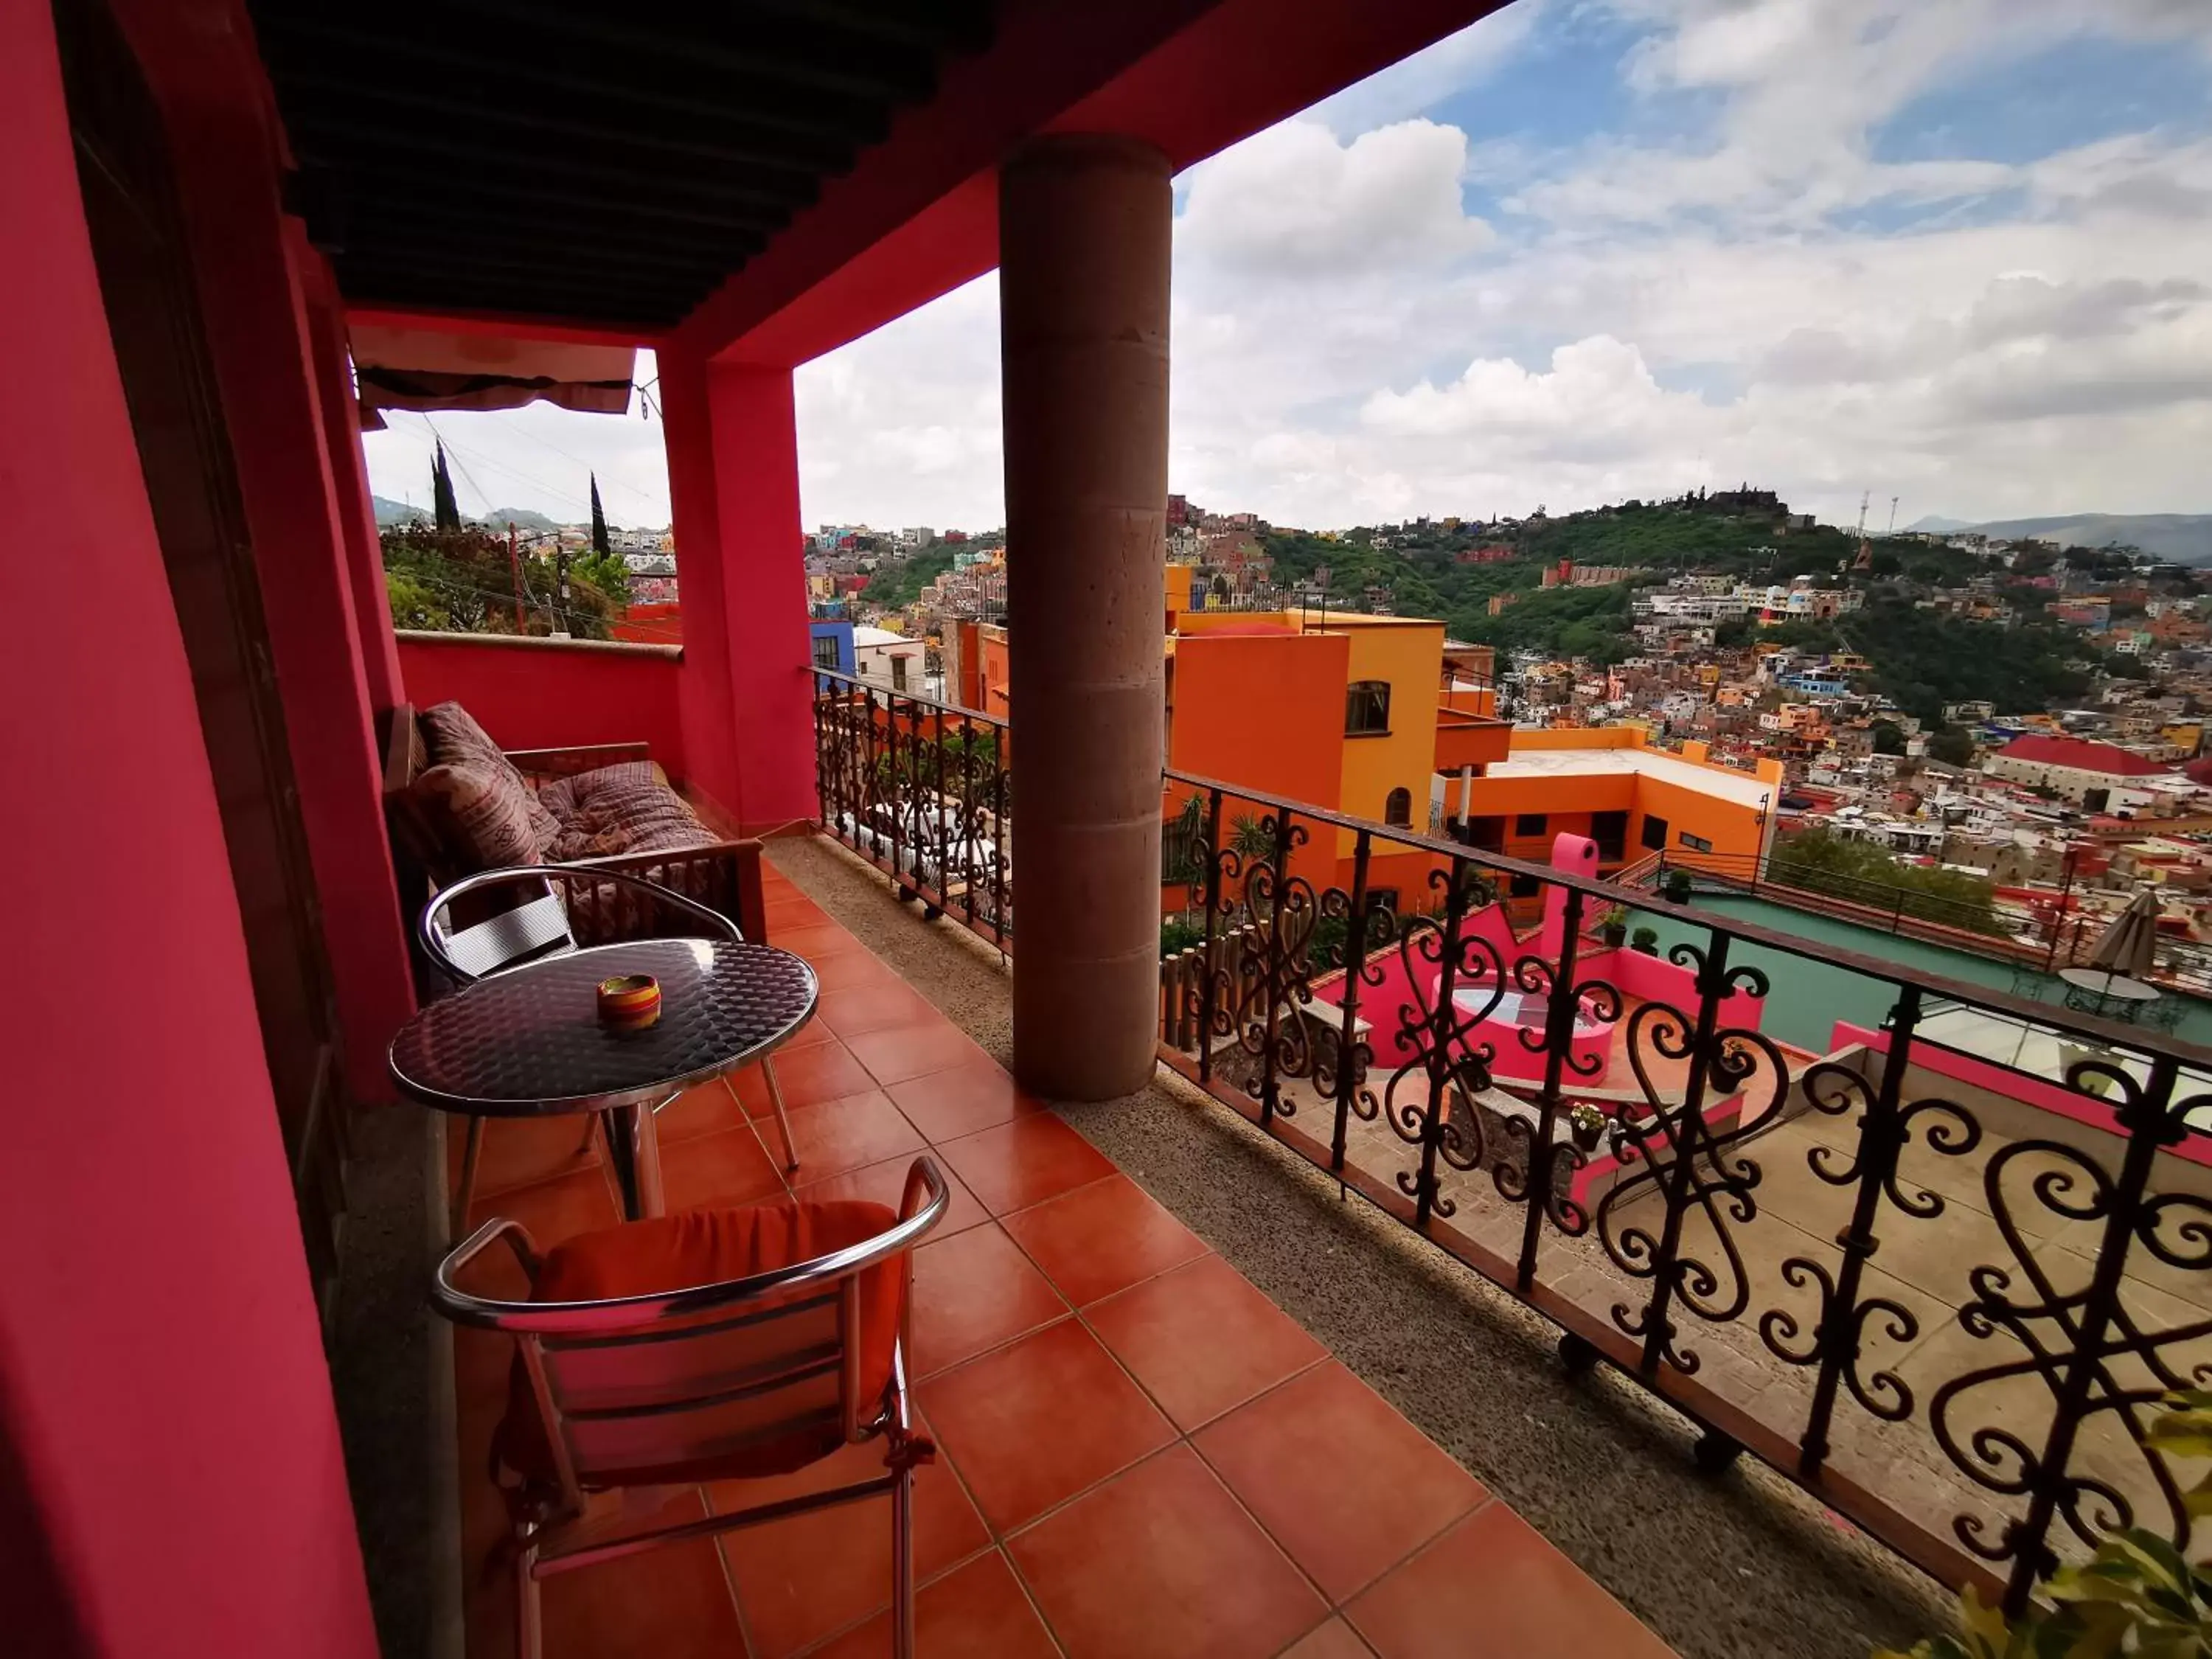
[600, 545]
[1952, 746]
[1820, 861]
[445, 510]
[1889, 738]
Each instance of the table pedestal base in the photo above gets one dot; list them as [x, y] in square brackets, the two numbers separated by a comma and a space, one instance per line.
[634, 1151]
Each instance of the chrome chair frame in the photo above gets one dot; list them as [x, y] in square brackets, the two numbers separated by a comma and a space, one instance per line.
[540, 928]
[544, 1331]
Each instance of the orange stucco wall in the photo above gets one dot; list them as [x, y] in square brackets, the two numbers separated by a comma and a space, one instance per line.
[1266, 711]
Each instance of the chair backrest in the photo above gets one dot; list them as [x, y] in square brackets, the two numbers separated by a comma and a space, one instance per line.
[539, 925]
[641, 1388]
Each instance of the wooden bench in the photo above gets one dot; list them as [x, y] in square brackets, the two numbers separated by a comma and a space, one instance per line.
[723, 874]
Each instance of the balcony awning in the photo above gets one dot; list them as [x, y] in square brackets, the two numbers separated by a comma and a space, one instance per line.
[425, 369]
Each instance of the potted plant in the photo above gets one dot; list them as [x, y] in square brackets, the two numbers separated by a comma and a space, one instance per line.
[1613, 925]
[1674, 886]
[1587, 1123]
[2136, 1595]
[1645, 939]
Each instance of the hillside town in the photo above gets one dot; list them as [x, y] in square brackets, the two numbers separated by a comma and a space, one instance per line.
[2064, 803]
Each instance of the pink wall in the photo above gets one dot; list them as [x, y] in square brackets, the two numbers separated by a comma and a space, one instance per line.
[1655, 979]
[251, 293]
[545, 694]
[162, 1390]
[1384, 1006]
[2035, 1091]
[1577, 856]
[364, 551]
[733, 481]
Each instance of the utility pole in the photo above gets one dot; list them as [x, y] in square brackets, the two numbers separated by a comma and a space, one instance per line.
[514, 567]
[560, 588]
[1865, 560]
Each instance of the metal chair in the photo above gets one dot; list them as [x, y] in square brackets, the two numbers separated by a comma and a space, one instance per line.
[539, 927]
[747, 1377]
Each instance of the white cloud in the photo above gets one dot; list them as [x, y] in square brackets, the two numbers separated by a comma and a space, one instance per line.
[1350, 341]
[1295, 202]
[1416, 85]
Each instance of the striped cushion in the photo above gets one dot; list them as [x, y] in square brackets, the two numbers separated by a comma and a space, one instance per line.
[486, 814]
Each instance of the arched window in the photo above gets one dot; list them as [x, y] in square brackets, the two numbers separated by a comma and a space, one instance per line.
[1399, 809]
[1366, 708]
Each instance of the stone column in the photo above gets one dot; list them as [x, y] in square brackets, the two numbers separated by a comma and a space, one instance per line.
[1084, 229]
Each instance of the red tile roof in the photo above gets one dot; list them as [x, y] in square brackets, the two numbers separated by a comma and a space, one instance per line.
[2081, 755]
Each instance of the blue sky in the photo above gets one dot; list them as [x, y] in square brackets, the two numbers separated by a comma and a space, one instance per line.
[1955, 251]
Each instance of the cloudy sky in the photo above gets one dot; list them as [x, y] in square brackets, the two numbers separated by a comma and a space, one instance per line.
[1958, 251]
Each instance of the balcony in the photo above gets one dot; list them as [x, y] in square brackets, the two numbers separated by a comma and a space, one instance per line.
[1470, 739]
[1930, 1292]
[1932, 1265]
[1139, 1451]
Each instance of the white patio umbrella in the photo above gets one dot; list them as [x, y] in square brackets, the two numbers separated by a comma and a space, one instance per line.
[2129, 945]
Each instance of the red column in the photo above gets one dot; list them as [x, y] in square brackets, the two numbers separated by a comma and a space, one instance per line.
[163, 1402]
[364, 553]
[734, 481]
[258, 331]
[1084, 229]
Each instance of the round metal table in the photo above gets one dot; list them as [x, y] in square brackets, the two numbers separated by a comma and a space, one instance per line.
[2097, 991]
[527, 1041]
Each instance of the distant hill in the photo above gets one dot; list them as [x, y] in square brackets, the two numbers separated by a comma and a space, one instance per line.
[389, 511]
[2185, 538]
[520, 517]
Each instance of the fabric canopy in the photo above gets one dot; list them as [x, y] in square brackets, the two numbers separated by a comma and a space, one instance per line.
[422, 368]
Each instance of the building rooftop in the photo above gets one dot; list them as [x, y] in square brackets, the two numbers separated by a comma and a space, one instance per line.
[2081, 754]
[1740, 787]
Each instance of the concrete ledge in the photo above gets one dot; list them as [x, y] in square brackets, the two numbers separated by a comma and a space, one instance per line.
[532, 642]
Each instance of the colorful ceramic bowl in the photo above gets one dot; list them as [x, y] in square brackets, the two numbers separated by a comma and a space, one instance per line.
[630, 1002]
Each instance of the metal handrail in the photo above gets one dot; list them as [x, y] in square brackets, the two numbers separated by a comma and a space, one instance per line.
[625, 1312]
[1612, 892]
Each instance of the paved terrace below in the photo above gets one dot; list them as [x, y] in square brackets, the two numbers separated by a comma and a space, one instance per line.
[1140, 1453]
[1742, 1566]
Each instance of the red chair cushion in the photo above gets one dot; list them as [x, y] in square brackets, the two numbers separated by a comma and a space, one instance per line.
[708, 1247]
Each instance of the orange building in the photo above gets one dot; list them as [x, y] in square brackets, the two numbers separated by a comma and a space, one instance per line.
[1611, 784]
[1348, 713]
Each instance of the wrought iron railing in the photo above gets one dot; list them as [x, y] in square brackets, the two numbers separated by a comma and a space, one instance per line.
[923, 790]
[1939, 1282]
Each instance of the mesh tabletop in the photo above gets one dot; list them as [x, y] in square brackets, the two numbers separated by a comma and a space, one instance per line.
[529, 1040]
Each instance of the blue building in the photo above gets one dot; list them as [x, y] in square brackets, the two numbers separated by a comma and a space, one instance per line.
[833, 648]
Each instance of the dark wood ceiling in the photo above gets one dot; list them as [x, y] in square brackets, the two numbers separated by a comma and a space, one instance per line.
[600, 161]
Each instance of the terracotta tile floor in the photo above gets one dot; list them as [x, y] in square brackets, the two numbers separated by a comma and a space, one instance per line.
[1140, 1454]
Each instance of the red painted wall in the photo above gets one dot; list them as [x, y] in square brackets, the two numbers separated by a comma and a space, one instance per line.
[247, 260]
[650, 624]
[364, 551]
[162, 1382]
[746, 692]
[546, 694]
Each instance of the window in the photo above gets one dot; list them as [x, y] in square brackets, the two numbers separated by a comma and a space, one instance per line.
[1382, 898]
[1399, 808]
[1528, 823]
[1486, 834]
[1695, 843]
[1367, 709]
[825, 651]
[1526, 886]
[1654, 833]
[1610, 831]
[899, 674]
